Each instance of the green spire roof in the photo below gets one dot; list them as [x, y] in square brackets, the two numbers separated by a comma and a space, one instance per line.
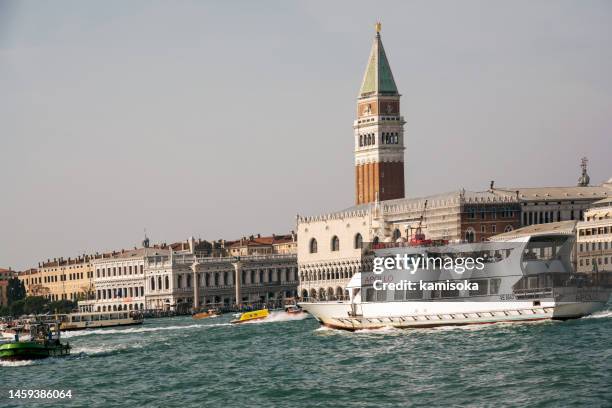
[378, 78]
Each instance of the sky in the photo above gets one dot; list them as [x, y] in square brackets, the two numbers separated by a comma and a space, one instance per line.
[225, 119]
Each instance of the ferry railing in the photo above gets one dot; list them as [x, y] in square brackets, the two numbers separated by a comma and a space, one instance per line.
[533, 293]
[325, 299]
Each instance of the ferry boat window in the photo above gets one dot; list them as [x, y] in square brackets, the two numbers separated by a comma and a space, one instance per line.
[494, 286]
[414, 294]
[483, 287]
[381, 295]
[449, 293]
[76, 318]
[369, 295]
[398, 295]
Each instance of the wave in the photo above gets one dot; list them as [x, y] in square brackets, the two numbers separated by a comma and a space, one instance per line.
[384, 329]
[599, 315]
[131, 330]
[103, 349]
[16, 363]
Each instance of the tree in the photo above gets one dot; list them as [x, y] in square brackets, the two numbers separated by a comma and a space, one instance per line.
[15, 290]
[61, 306]
[16, 308]
[35, 305]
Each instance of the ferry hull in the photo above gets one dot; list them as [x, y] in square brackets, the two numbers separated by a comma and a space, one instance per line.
[347, 316]
[98, 324]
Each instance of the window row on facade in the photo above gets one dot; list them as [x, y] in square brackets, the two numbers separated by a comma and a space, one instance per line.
[327, 275]
[594, 246]
[62, 278]
[119, 271]
[334, 244]
[369, 139]
[490, 213]
[119, 293]
[585, 232]
[115, 308]
[599, 260]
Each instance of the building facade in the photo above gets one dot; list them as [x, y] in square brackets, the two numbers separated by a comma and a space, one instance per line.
[542, 205]
[594, 241]
[119, 280]
[329, 249]
[61, 279]
[180, 282]
[378, 132]
[5, 275]
[168, 277]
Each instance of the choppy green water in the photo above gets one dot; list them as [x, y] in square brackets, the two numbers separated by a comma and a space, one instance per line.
[294, 363]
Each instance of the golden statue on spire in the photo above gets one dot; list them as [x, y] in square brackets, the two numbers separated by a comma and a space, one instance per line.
[378, 27]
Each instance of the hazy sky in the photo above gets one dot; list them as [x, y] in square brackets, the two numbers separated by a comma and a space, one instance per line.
[222, 119]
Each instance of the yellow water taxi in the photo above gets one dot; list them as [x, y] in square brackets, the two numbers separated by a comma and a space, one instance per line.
[250, 316]
[206, 314]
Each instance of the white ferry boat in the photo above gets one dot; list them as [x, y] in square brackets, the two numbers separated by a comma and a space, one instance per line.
[523, 279]
[92, 320]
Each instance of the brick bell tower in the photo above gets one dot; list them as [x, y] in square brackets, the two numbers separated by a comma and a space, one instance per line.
[379, 132]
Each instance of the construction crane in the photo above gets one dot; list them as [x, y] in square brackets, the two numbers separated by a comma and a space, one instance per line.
[419, 237]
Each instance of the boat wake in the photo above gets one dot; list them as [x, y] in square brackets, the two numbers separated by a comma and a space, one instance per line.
[599, 315]
[16, 363]
[132, 330]
[385, 329]
[103, 349]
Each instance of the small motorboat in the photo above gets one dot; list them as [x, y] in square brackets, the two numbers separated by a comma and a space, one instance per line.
[250, 316]
[206, 314]
[44, 342]
[293, 309]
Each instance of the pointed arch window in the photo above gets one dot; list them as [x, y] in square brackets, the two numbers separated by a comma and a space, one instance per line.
[335, 243]
[358, 241]
[470, 235]
[396, 234]
[313, 246]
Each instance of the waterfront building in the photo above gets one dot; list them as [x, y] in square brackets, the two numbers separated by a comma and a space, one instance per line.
[594, 241]
[61, 279]
[5, 275]
[258, 245]
[266, 268]
[378, 132]
[541, 205]
[119, 279]
[166, 277]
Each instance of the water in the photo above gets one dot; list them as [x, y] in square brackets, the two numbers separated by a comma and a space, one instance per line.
[292, 362]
